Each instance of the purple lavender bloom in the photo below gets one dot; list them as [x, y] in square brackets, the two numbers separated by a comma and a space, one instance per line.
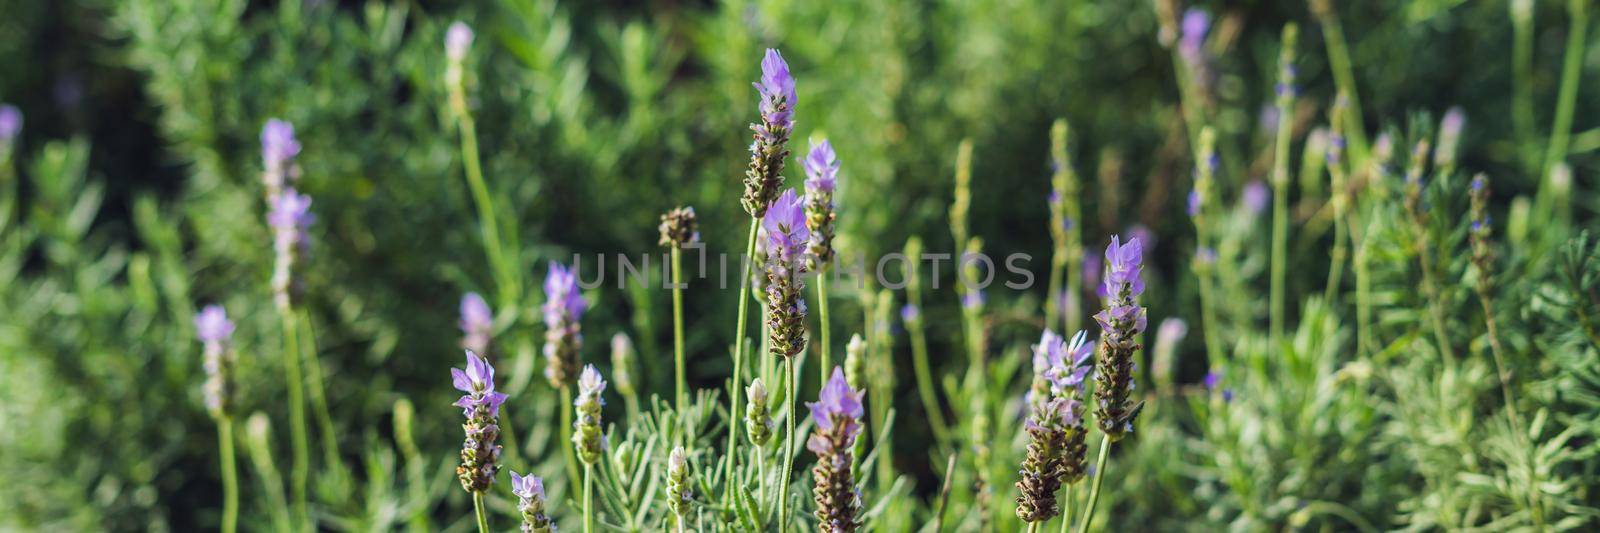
[785, 224]
[1124, 262]
[1212, 379]
[1267, 119]
[777, 90]
[278, 145]
[974, 300]
[457, 41]
[290, 216]
[587, 434]
[1196, 23]
[212, 324]
[1092, 268]
[563, 337]
[10, 123]
[477, 381]
[837, 403]
[477, 323]
[562, 294]
[822, 168]
[909, 313]
[1064, 365]
[1255, 197]
[1121, 322]
[291, 211]
[1449, 137]
[527, 487]
[1194, 203]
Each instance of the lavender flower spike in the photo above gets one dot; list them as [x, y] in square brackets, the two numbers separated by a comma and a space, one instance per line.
[481, 406]
[769, 149]
[477, 323]
[1056, 434]
[529, 491]
[1121, 322]
[215, 332]
[837, 413]
[563, 337]
[10, 126]
[822, 174]
[586, 435]
[757, 419]
[457, 41]
[278, 151]
[289, 216]
[787, 237]
[680, 488]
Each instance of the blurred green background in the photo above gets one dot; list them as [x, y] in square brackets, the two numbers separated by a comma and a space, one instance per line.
[138, 200]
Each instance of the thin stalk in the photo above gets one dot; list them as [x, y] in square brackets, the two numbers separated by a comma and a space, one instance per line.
[788, 443]
[822, 316]
[1363, 296]
[1066, 510]
[588, 497]
[230, 476]
[1344, 77]
[488, 224]
[477, 508]
[1522, 111]
[1280, 220]
[1094, 488]
[1210, 328]
[301, 468]
[735, 395]
[677, 341]
[1430, 288]
[1033, 527]
[1571, 71]
[944, 493]
[1052, 306]
[925, 389]
[1336, 260]
[319, 395]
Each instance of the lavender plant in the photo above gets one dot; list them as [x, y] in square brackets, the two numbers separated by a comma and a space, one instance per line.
[215, 332]
[587, 436]
[837, 414]
[480, 456]
[529, 491]
[822, 173]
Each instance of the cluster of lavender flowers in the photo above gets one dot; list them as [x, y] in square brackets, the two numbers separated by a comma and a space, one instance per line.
[822, 173]
[770, 147]
[586, 434]
[289, 212]
[477, 323]
[757, 417]
[563, 337]
[215, 332]
[786, 241]
[529, 491]
[1055, 425]
[481, 406]
[680, 488]
[1121, 323]
[837, 414]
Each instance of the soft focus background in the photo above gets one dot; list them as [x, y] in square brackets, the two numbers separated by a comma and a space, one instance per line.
[132, 197]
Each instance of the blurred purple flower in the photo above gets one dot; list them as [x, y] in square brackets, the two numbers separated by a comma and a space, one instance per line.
[563, 297]
[909, 313]
[1196, 23]
[822, 167]
[278, 144]
[457, 41]
[212, 324]
[1255, 197]
[10, 123]
[477, 323]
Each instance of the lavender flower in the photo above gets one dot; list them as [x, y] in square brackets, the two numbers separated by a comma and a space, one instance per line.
[1481, 231]
[1213, 380]
[563, 337]
[837, 414]
[622, 364]
[855, 361]
[457, 41]
[680, 488]
[757, 419]
[289, 217]
[768, 151]
[1444, 157]
[973, 301]
[1055, 424]
[1168, 335]
[529, 491]
[586, 435]
[10, 126]
[215, 332]
[822, 172]
[909, 314]
[679, 227]
[481, 406]
[1196, 23]
[1255, 197]
[477, 323]
[278, 151]
[1120, 325]
[787, 238]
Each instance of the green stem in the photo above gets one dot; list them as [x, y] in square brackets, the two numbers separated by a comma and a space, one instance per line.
[1066, 510]
[488, 224]
[1571, 71]
[822, 316]
[588, 496]
[319, 396]
[1522, 111]
[735, 394]
[788, 444]
[1344, 77]
[1033, 527]
[1336, 260]
[566, 432]
[297, 417]
[1363, 295]
[1094, 488]
[677, 342]
[1052, 305]
[925, 389]
[483, 515]
[230, 476]
[1280, 218]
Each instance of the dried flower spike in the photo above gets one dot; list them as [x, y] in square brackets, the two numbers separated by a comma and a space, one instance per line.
[215, 332]
[477, 323]
[529, 491]
[679, 227]
[769, 150]
[786, 236]
[481, 405]
[563, 337]
[1121, 323]
[837, 414]
[586, 434]
[1055, 424]
[822, 174]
